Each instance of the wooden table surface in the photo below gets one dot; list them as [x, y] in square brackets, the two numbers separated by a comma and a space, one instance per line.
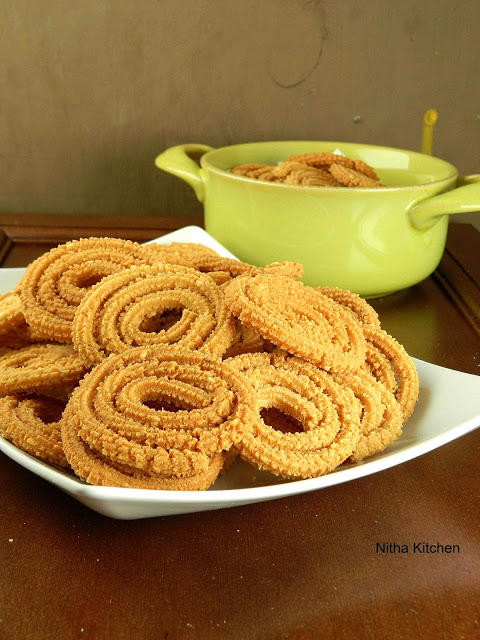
[302, 567]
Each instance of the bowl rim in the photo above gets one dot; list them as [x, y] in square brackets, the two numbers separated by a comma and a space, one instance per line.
[206, 164]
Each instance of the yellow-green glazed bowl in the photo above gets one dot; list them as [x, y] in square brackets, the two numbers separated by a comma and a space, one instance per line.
[371, 241]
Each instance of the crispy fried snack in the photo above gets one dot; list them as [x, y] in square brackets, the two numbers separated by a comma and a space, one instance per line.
[322, 159]
[196, 359]
[219, 268]
[299, 319]
[235, 268]
[318, 169]
[14, 330]
[298, 173]
[362, 311]
[327, 412]
[11, 315]
[39, 367]
[366, 169]
[182, 253]
[219, 277]
[256, 170]
[99, 470]
[381, 417]
[389, 363]
[32, 423]
[246, 341]
[352, 178]
[119, 311]
[306, 179]
[160, 412]
[54, 284]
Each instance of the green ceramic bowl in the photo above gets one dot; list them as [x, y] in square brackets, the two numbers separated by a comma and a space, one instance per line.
[371, 241]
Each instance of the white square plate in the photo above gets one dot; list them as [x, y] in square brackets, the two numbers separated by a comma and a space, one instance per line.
[448, 407]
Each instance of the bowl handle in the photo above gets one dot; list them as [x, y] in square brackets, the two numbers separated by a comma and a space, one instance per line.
[461, 200]
[176, 160]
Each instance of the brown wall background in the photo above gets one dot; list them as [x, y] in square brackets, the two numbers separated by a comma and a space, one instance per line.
[92, 90]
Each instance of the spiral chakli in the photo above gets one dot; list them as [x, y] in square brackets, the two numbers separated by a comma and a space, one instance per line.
[40, 367]
[321, 159]
[298, 173]
[327, 412]
[357, 306]
[11, 315]
[54, 284]
[389, 363]
[317, 169]
[235, 268]
[353, 178]
[187, 254]
[120, 312]
[152, 415]
[247, 341]
[14, 330]
[32, 423]
[299, 319]
[381, 418]
[207, 260]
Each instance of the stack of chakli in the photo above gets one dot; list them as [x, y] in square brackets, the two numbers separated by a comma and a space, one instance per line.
[315, 169]
[154, 366]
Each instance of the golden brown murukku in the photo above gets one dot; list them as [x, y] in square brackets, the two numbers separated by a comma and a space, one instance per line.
[262, 173]
[318, 169]
[327, 412]
[218, 267]
[183, 253]
[112, 317]
[366, 169]
[99, 470]
[118, 411]
[352, 178]
[11, 314]
[39, 367]
[54, 284]
[235, 268]
[291, 269]
[196, 358]
[14, 330]
[246, 341]
[321, 159]
[32, 423]
[299, 319]
[256, 170]
[219, 277]
[381, 416]
[292, 172]
[310, 179]
[360, 308]
[389, 363]
[16, 339]
[210, 264]
[379, 366]
[284, 169]
[288, 172]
